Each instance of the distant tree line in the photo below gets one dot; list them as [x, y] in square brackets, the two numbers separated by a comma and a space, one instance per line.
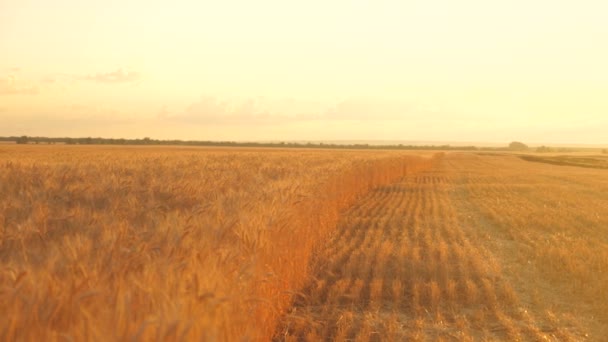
[513, 146]
[149, 141]
[546, 149]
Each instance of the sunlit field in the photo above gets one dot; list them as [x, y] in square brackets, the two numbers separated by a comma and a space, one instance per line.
[164, 243]
[478, 248]
[282, 171]
[222, 244]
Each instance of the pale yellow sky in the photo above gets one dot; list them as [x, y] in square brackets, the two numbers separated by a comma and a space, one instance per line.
[468, 70]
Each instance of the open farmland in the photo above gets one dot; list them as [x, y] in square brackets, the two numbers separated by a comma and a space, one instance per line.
[164, 243]
[480, 247]
[592, 161]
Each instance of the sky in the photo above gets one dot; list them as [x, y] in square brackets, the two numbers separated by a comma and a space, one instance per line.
[432, 70]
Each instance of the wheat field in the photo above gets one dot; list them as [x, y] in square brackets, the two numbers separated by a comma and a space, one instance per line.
[221, 244]
[162, 243]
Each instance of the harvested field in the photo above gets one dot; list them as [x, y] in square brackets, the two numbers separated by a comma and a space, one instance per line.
[596, 162]
[477, 248]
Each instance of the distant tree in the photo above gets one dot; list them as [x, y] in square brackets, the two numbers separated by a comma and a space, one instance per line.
[22, 140]
[518, 146]
[543, 149]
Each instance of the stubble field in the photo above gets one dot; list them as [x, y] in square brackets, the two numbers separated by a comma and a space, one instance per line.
[164, 243]
[477, 248]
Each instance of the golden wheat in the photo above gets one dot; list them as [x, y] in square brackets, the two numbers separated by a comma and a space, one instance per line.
[168, 243]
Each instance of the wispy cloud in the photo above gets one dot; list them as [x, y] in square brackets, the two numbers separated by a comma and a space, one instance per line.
[12, 85]
[94, 114]
[364, 109]
[117, 76]
[213, 111]
[49, 80]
